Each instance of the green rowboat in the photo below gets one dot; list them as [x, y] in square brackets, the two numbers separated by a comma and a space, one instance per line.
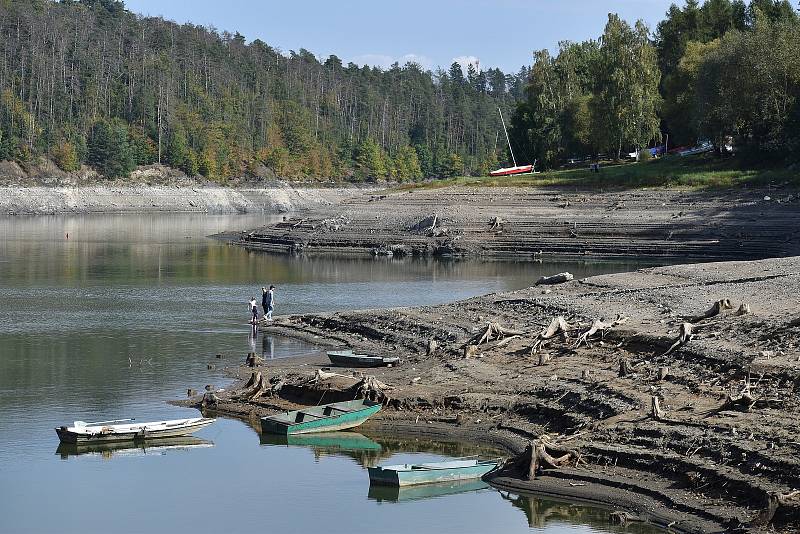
[324, 418]
[429, 473]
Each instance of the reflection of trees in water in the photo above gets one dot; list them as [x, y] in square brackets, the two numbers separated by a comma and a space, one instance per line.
[541, 511]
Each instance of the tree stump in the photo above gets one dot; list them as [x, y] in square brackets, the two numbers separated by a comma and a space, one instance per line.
[663, 372]
[625, 368]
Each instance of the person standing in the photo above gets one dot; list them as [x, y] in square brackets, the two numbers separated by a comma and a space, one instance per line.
[264, 303]
[254, 309]
[268, 302]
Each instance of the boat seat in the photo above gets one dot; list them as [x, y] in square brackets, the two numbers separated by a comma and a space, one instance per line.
[330, 409]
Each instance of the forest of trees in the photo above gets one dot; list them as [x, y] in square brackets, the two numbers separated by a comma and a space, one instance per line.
[88, 82]
[716, 70]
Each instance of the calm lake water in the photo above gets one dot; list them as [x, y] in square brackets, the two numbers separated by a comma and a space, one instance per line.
[127, 312]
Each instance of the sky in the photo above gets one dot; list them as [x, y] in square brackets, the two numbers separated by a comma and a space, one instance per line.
[496, 33]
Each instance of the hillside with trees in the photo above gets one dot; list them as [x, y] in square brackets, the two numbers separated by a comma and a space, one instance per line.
[88, 82]
[724, 70]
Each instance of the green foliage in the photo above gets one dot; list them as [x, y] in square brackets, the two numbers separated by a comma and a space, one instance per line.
[406, 164]
[145, 151]
[454, 166]
[66, 156]
[626, 98]
[370, 161]
[760, 111]
[109, 150]
[209, 102]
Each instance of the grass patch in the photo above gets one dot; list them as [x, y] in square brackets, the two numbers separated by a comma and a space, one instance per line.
[697, 172]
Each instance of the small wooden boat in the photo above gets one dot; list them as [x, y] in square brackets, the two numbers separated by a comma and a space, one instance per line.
[347, 358]
[106, 431]
[324, 418]
[429, 473]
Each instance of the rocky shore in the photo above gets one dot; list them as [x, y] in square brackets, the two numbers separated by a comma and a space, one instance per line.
[530, 223]
[671, 393]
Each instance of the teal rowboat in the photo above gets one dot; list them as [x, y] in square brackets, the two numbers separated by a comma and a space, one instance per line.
[324, 418]
[429, 473]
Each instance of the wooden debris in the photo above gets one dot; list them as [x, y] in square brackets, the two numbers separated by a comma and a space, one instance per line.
[663, 372]
[539, 458]
[742, 401]
[493, 331]
[656, 411]
[774, 501]
[625, 368]
[470, 351]
[685, 334]
[496, 223]
[252, 360]
[717, 308]
[255, 378]
[598, 326]
[432, 346]
[558, 325]
[619, 517]
[559, 278]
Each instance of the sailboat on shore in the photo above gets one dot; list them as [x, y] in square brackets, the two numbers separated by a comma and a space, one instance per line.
[516, 169]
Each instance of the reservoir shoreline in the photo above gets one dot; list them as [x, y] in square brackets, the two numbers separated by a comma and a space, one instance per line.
[697, 460]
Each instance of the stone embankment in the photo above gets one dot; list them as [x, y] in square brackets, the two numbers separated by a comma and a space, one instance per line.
[529, 223]
[681, 406]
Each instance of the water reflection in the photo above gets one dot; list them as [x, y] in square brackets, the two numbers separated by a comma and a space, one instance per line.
[382, 493]
[131, 449]
[131, 311]
[541, 512]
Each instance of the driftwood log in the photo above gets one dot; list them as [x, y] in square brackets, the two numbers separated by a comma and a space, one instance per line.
[717, 308]
[598, 326]
[559, 278]
[558, 326]
[656, 411]
[492, 332]
[686, 333]
[774, 502]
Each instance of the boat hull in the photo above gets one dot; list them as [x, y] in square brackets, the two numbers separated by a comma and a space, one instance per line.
[78, 438]
[521, 169]
[412, 477]
[320, 418]
[349, 359]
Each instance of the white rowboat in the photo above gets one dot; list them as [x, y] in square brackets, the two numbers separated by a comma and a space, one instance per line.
[104, 431]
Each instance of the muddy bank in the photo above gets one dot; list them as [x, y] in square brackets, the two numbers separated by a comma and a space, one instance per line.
[700, 431]
[528, 223]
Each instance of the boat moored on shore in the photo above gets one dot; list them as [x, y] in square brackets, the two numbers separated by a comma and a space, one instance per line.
[324, 418]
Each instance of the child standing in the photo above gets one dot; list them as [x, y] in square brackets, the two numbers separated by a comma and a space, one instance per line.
[254, 309]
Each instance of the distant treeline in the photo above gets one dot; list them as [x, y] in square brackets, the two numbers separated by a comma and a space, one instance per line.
[88, 82]
[724, 70]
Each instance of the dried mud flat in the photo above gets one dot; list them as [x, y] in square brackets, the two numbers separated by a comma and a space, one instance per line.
[529, 223]
[693, 427]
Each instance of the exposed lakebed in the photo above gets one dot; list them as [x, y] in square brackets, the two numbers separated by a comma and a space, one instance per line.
[129, 310]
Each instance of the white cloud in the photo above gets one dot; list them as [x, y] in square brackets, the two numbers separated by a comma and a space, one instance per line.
[465, 61]
[384, 61]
